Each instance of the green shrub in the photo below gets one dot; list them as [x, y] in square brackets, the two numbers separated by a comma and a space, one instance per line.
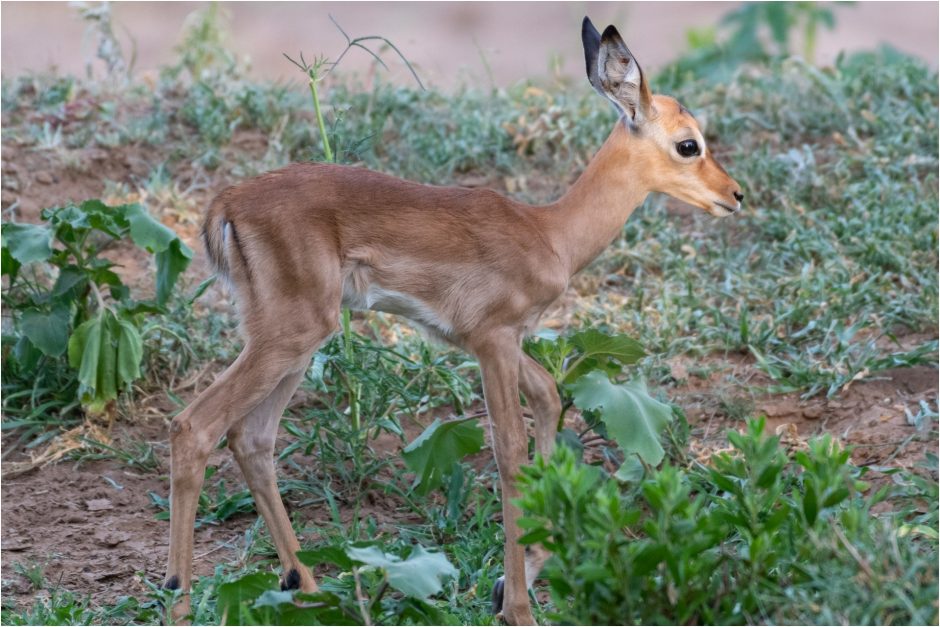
[67, 339]
[760, 536]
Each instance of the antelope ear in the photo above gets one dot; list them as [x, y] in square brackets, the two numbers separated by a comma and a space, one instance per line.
[591, 39]
[621, 79]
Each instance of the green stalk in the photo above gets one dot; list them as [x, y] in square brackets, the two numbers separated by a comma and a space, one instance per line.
[347, 333]
[327, 151]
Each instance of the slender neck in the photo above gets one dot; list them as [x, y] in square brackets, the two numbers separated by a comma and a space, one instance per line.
[589, 216]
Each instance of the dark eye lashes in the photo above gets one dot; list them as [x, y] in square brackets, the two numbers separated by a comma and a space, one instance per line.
[688, 148]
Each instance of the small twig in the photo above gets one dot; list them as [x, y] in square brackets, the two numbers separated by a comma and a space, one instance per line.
[98, 297]
[360, 599]
[862, 563]
[350, 43]
[211, 551]
[900, 448]
[379, 594]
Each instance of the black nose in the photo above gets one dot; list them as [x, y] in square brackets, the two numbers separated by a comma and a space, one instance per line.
[738, 196]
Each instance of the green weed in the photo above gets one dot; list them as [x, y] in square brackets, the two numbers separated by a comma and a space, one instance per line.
[759, 536]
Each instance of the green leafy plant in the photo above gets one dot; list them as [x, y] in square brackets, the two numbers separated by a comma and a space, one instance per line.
[737, 541]
[753, 32]
[321, 68]
[633, 419]
[434, 454]
[57, 276]
[584, 365]
[374, 587]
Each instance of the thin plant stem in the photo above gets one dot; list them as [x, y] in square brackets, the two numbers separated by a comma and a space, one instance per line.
[327, 150]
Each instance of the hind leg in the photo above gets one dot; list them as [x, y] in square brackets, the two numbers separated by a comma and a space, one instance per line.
[253, 377]
[252, 440]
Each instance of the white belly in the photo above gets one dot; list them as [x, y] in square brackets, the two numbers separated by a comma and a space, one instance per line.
[377, 298]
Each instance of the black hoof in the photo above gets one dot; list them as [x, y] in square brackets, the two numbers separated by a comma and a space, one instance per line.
[497, 598]
[172, 583]
[292, 581]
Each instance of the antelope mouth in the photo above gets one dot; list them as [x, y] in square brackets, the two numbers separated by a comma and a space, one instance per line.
[721, 210]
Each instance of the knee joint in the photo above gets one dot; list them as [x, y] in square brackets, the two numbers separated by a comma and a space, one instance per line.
[247, 445]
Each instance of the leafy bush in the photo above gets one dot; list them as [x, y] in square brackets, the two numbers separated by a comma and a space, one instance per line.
[57, 275]
[585, 365]
[760, 536]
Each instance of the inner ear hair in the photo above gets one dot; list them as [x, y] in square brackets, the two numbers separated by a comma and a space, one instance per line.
[619, 72]
[621, 77]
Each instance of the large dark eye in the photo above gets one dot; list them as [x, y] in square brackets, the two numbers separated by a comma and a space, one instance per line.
[688, 148]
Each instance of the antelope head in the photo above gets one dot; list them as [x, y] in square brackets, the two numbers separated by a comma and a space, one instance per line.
[662, 134]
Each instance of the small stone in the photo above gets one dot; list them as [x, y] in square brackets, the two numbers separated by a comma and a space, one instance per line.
[812, 413]
[111, 538]
[44, 177]
[16, 543]
[11, 183]
[775, 409]
[97, 505]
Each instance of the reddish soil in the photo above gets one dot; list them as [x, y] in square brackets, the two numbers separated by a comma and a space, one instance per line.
[869, 415]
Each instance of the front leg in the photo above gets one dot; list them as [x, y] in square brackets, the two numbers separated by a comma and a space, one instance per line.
[499, 356]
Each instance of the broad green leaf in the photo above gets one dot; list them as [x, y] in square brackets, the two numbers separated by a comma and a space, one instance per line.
[419, 576]
[66, 221]
[69, 277]
[634, 419]
[107, 386]
[77, 342]
[147, 232]
[85, 351]
[172, 255]
[93, 350]
[48, 331]
[601, 351]
[593, 343]
[439, 447]
[237, 596]
[130, 349]
[27, 355]
[105, 218]
[631, 470]
[170, 264]
[8, 265]
[27, 242]
[570, 438]
[328, 554]
[274, 598]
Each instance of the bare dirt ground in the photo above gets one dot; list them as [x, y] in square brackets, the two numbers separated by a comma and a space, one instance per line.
[92, 525]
